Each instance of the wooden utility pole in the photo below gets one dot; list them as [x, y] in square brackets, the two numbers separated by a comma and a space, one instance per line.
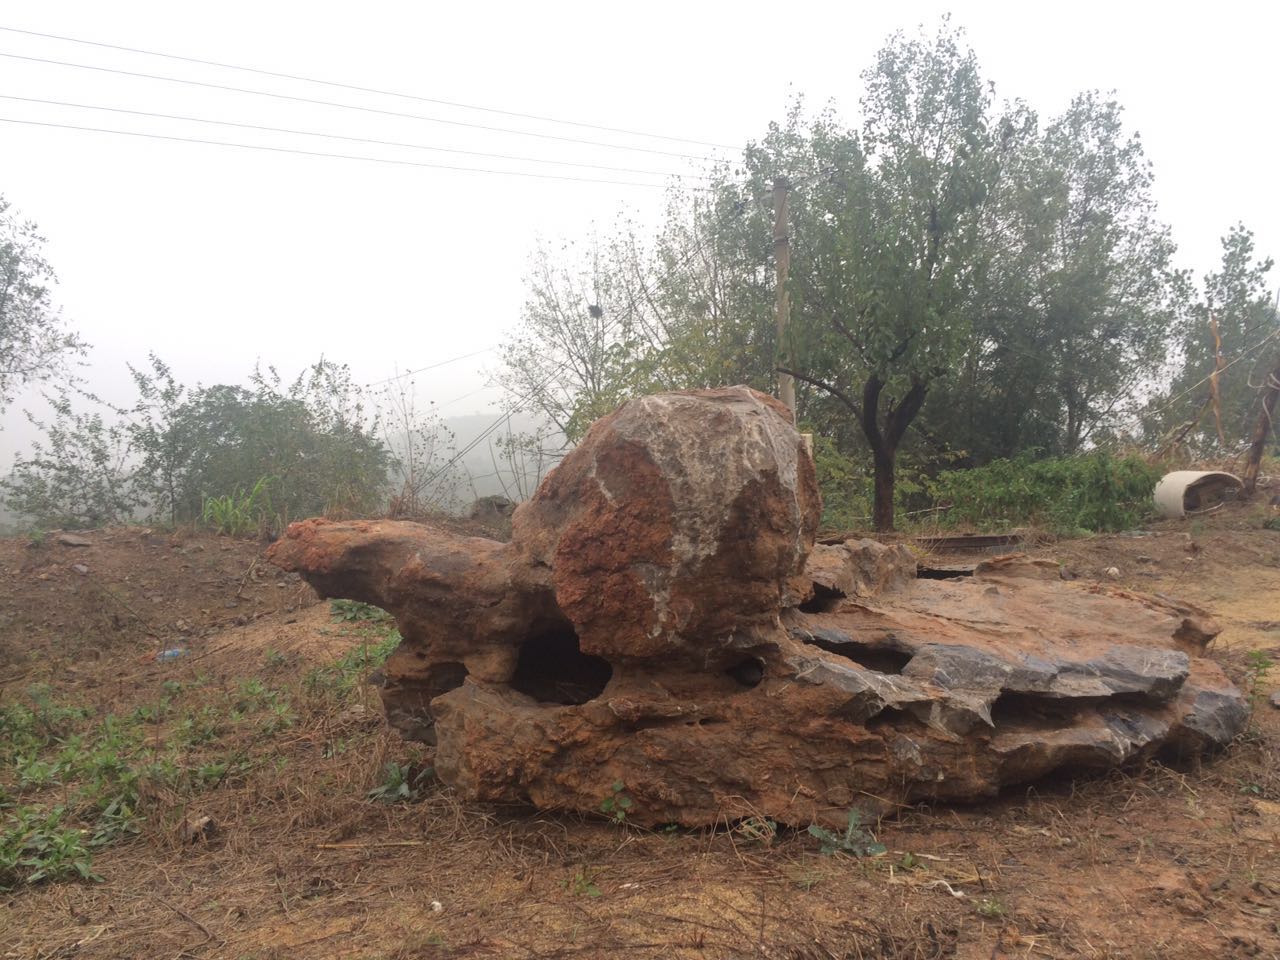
[782, 259]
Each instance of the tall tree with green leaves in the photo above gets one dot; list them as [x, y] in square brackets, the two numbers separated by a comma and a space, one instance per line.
[1080, 295]
[897, 247]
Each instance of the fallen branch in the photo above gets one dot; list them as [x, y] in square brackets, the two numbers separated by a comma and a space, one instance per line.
[364, 846]
[190, 919]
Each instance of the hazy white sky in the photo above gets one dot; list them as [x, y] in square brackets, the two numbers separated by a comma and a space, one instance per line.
[214, 257]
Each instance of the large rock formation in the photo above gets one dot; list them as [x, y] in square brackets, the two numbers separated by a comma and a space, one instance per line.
[662, 620]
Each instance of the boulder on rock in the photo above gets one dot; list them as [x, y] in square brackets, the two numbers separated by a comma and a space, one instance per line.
[662, 620]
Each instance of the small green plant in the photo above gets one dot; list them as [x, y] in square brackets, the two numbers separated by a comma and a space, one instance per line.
[273, 659]
[582, 883]
[910, 861]
[280, 716]
[401, 783]
[760, 830]
[353, 611]
[240, 513]
[34, 847]
[339, 679]
[991, 907]
[1258, 664]
[856, 840]
[616, 805]
[116, 822]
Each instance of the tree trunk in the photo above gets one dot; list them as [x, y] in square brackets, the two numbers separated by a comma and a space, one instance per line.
[882, 512]
[884, 443]
[1266, 421]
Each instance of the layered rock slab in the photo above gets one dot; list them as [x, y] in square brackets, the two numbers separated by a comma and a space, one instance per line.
[663, 620]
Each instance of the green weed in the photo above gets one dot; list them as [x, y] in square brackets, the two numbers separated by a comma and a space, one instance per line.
[991, 907]
[582, 883]
[35, 846]
[616, 805]
[401, 783]
[241, 512]
[856, 840]
[338, 679]
[353, 611]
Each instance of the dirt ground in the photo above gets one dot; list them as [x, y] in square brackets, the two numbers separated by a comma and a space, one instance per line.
[299, 862]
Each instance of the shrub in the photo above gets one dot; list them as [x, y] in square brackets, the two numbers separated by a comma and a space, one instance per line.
[1095, 491]
[240, 513]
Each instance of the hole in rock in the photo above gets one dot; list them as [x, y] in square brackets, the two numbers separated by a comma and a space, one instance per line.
[747, 673]
[445, 677]
[552, 668]
[1012, 709]
[942, 573]
[879, 659]
[893, 717]
[824, 600]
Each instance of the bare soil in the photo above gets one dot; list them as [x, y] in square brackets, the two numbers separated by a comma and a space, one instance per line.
[1153, 862]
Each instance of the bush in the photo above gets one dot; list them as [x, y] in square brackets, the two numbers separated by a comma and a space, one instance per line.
[1096, 492]
[205, 453]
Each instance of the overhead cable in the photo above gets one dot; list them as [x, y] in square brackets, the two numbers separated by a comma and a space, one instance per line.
[360, 89]
[337, 136]
[335, 156]
[352, 106]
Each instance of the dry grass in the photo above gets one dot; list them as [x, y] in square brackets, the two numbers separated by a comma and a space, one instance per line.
[1159, 862]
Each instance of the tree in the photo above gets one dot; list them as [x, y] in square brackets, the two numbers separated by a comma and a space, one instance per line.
[1079, 296]
[78, 475]
[571, 357]
[964, 281]
[620, 318]
[896, 248]
[35, 345]
[1236, 302]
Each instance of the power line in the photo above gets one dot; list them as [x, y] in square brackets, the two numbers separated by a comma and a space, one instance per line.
[432, 366]
[337, 136]
[359, 89]
[1199, 383]
[351, 106]
[335, 156]
[472, 393]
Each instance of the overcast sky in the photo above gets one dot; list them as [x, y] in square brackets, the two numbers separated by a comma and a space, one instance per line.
[214, 257]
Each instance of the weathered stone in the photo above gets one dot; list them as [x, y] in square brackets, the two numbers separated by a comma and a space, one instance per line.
[675, 524]
[855, 568]
[662, 619]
